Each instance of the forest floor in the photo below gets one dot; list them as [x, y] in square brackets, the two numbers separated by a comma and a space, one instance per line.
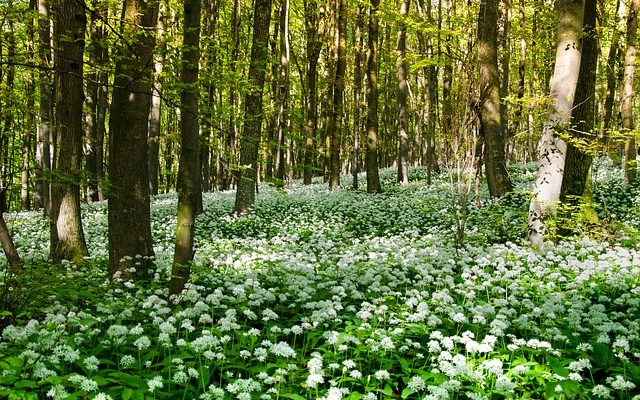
[345, 295]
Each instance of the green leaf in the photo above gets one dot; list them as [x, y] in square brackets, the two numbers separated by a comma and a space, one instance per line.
[556, 366]
[134, 382]
[292, 396]
[127, 393]
[407, 392]
[25, 384]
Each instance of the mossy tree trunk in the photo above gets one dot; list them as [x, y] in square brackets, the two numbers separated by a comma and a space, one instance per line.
[130, 242]
[250, 143]
[490, 108]
[189, 174]
[67, 236]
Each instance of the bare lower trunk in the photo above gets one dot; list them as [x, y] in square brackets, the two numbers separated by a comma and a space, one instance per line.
[371, 161]
[546, 192]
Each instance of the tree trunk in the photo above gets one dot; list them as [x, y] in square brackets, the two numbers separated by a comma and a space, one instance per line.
[250, 143]
[5, 237]
[283, 93]
[156, 106]
[130, 242]
[503, 45]
[371, 160]
[403, 94]
[358, 104]
[27, 137]
[490, 108]
[91, 100]
[626, 109]
[43, 149]
[582, 135]
[189, 174]
[335, 123]
[612, 71]
[546, 192]
[314, 45]
[67, 236]
[229, 164]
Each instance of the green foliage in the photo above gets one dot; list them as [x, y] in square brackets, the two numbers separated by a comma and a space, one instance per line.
[335, 295]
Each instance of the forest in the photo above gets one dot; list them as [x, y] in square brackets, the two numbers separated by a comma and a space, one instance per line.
[297, 199]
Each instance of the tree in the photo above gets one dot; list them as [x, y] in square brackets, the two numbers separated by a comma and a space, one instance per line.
[582, 136]
[313, 46]
[129, 217]
[156, 106]
[282, 124]
[626, 109]
[43, 148]
[247, 176]
[335, 121]
[189, 175]
[67, 236]
[371, 160]
[6, 240]
[546, 192]
[490, 108]
[403, 94]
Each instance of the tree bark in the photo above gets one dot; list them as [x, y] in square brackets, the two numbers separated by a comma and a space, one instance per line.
[335, 123]
[358, 104]
[626, 109]
[546, 191]
[130, 242]
[67, 236]
[403, 94]
[247, 176]
[283, 93]
[371, 160]
[582, 135]
[313, 47]
[43, 148]
[189, 174]
[612, 71]
[6, 240]
[490, 108]
[155, 114]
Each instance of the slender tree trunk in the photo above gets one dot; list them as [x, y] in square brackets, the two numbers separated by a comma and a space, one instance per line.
[189, 174]
[8, 129]
[6, 240]
[67, 236]
[582, 135]
[553, 149]
[232, 130]
[250, 143]
[612, 71]
[335, 123]
[373, 178]
[314, 45]
[27, 137]
[103, 104]
[626, 109]
[283, 93]
[504, 59]
[43, 149]
[212, 13]
[358, 104]
[91, 100]
[403, 94]
[490, 108]
[155, 115]
[130, 244]
[522, 62]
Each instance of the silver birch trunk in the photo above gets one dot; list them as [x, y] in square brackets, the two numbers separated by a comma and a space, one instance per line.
[552, 148]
